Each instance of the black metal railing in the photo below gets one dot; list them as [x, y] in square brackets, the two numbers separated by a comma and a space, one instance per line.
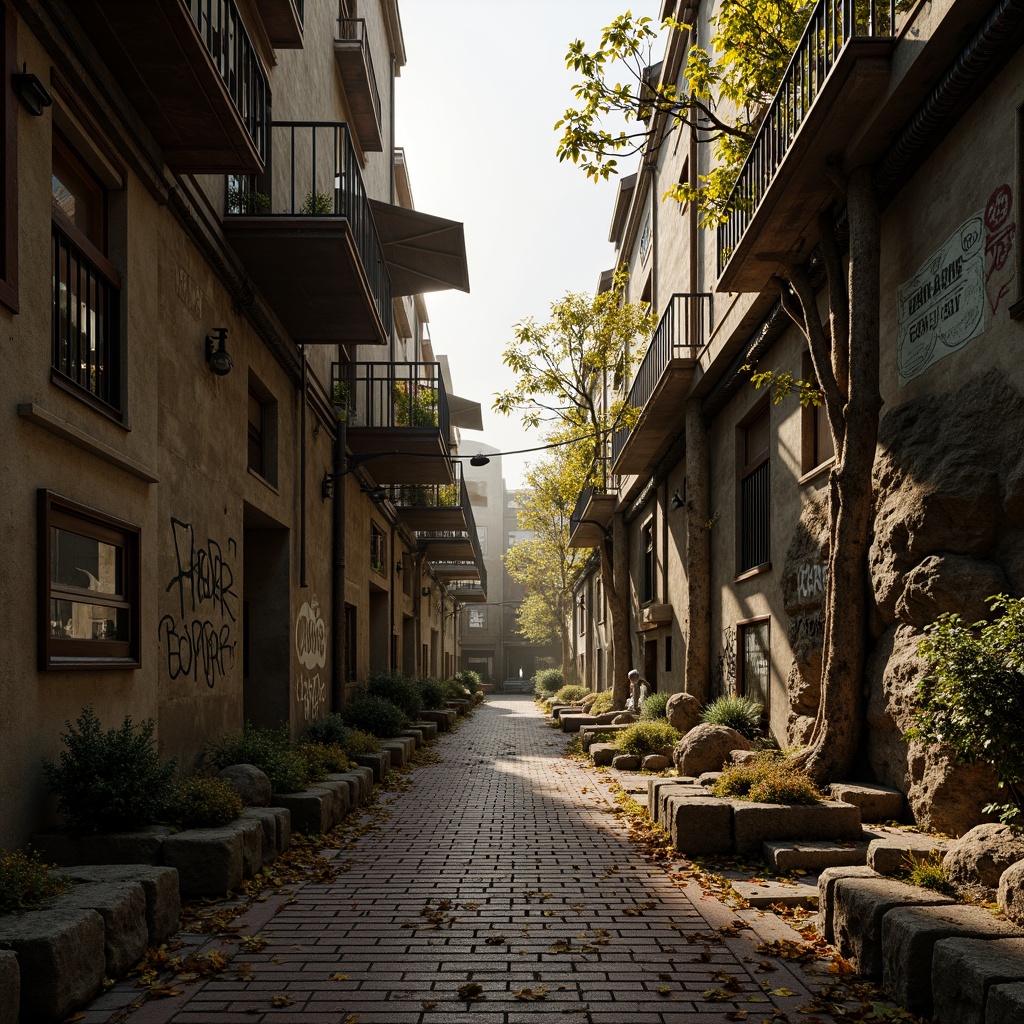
[314, 172]
[432, 496]
[833, 23]
[228, 43]
[682, 332]
[469, 589]
[85, 323]
[383, 394]
[602, 482]
[755, 517]
[353, 30]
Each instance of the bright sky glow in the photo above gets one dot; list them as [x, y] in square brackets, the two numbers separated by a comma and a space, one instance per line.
[476, 104]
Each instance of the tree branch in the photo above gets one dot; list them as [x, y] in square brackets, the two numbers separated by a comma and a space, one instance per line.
[838, 302]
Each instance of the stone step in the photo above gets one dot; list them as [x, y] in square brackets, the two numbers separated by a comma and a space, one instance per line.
[443, 718]
[602, 753]
[876, 803]
[767, 892]
[588, 733]
[429, 729]
[816, 855]
[378, 763]
[889, 854]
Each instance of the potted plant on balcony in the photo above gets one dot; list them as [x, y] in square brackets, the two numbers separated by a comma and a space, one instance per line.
[415, 405]
[317, 204]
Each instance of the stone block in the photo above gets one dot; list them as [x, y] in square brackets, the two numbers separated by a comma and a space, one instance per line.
[142, 846]
[888, 855]
[699, 825]
[342, 794]
[909, 935]
[589, 733]
[656, 763]
[60, 960]
[860, 904]
[267, 818]
[284, 827]
[443, 718]
[827, 894]
[364, 780]
[626, 763]
[415, 735]
[1005, 1004]
[964, 972]
[378, 763]
[460, 707]
[399, 749]
[603, 753]
[815, 855]
[429, 729]
[122, 905]
[251, 834]
[574, 722]
[209, 860]
[159, 886]
[876, 803]
[754, 824]
[655, 787]
[10, 987]
[692, 792]
[311, 811]
[354, 784]
[708, 779]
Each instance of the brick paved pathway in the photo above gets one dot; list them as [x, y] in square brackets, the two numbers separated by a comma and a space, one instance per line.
[500, 866]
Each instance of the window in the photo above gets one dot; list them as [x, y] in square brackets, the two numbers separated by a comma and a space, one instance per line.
[262, 431]
[755, 493]
[647, 562]
[378, 549]
[481, 532]
[8, 163]
[755, 661]
[817, 447]
[599, 600]
[88, 587]
[86, 332]
[477, 618]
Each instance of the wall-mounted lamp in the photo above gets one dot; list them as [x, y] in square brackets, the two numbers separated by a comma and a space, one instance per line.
[426, 591]
[32, 93]
[219, 359]
[677, 500]
[399, 567]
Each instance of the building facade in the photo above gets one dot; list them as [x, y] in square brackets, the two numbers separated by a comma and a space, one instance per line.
[720, 493]
[227, 437]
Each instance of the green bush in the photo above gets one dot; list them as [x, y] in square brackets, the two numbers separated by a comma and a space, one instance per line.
[973, 697]
[739, 713]
[25, 882]
[643, 738]
[569, 694]
[330, 729]
[454, 690]
[400, 690]
[767, 778]
[204, 801]
[468, 679]
[270, 750]
[603, 703]
[107, 781]
[323, 759]
[547, 681]
[927, 872]
[358, 743]
[375, 715]
[433, 694]
[317, 204]
[653, 707]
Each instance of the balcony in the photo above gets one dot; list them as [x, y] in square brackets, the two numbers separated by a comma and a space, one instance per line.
[838, 71]
[662, 383]
[398, 421]
[434, 510]
[283, 20]
[306, 234]
[460, 570]
[593, 511]
[468, 592]
[190, 70]
[352, 55]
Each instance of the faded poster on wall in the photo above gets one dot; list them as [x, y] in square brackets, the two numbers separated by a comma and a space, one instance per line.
[942, 307]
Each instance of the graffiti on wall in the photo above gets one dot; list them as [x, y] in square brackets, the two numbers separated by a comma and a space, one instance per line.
[724, 676]
[1000, 234]
[810, 581]
[311, 651]
[199, 639]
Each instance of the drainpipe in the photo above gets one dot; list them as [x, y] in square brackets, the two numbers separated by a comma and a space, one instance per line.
[338, 568]
[302, 473]
[393, 580]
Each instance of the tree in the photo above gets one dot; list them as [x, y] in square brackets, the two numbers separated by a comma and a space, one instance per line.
[568, 371]
[545, 564]
[729, 95]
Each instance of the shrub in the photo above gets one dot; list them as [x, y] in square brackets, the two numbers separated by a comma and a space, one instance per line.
[358, 743]
[603, 703]
[653, 707]
[270, 750]
[643, 738]
[739, 713]
[454, 690]
[204, 801]
[468, 679]
[375, 715]
[569, 694]
[317, 204]
[547, 681]
[328, 730]
[767, 778]
[110, 780]
[400, 690]
[25, 881]
[973, 697]
[927, 873]
[433, 694]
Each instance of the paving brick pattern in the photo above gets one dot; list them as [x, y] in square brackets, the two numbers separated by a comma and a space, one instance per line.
[501, 866]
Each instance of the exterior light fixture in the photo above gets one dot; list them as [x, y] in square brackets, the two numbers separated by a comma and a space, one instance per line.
[399, 567]
[426, 591]
[32, 93]
[677, 500]
[479, 460]
[219, 359]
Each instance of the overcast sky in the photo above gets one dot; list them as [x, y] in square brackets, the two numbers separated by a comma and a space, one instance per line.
[475, 109]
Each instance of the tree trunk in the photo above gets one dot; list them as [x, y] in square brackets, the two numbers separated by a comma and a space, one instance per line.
[837, 729]
[615, 575]
[697, 631]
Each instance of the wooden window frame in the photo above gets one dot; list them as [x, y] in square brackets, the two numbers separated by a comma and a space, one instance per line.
[378, 546]
[745, 470]
[57, 653]
[741, 664]
[8, 161]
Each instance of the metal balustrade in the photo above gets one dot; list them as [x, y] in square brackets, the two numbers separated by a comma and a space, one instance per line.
[832, 24]
[382, 394]
[353, 30]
